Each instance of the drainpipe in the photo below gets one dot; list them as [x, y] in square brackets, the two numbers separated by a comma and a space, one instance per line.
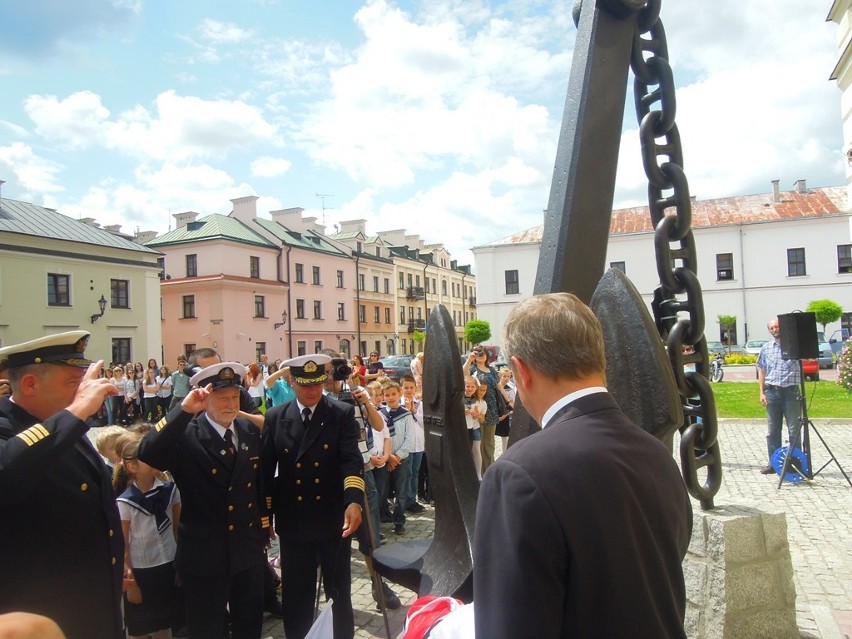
[464, 275]
[743, 285]
[358, 300]
[289, 307]
[425, 299]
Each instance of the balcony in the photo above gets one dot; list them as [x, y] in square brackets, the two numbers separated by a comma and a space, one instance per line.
[415, 293]
[472, 302]
[416, 325]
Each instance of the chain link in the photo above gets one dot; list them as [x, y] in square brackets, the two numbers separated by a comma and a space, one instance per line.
[656, 106]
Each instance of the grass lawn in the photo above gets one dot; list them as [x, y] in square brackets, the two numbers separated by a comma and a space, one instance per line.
[740, 399]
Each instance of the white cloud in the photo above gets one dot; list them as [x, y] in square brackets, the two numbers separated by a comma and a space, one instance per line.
[75, 122]
[268, 167]
[222, 32]
[35, 174]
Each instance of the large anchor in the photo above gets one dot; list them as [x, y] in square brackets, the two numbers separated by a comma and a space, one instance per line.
[645, 361]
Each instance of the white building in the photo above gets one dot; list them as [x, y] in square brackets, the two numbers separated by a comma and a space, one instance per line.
[758, 255]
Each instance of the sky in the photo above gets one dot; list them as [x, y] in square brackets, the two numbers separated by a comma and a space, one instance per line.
[440, 117]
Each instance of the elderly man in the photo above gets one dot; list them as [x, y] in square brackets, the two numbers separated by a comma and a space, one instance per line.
[214, 457]
[62, 551]
[580, 528]
[316, 496]
[780, 383]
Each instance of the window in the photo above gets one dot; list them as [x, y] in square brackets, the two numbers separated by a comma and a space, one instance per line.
[187, 350]
[378, 347]
[58, 287]
[375, 283]
[188, 306]
[300, 273]
[512, 286]
[402, 315]
[339, 279]
[378, 251]
[300, 309]
[426, 284]
[724, 266]
[317, 309]
[361, 285]
[417, 281]
[387, 315]
[362, 313]
[410, 280]
[259, 349]
[119, 293]
[161, 264]
[191, 265]
[402, 345]
[434, 286]
[301, 348]
[619, 266]
[316, 275]
[317, 345]
[121, 349]
[844, 258]
[410, 313]
[259, 306]
[444, 288]
[796, 262]
[387, 285]
[254, 267]
[419, 313]
[401, 281]
[341, 311]
[376, 314]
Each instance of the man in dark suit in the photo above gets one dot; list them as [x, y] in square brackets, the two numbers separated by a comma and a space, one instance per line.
[316, 497]
[580, 528]
[62, 551]
[214, 457]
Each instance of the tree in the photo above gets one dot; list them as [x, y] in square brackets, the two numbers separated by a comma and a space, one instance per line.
[826, 311]
[419, 337]
[727, 322]
[477, 331]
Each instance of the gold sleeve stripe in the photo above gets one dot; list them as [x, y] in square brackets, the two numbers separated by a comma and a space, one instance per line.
[160, 424]
[264, 522]
[353, 481]
[269, 502]
[34, 434]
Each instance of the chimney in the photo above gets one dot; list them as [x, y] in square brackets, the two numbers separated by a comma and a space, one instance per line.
[245, 208]
[182, 219]
[801, 186]
[143, 237]
[291, 218]
[353, 226]
[113, 228]
[90, 221]
[776, 190]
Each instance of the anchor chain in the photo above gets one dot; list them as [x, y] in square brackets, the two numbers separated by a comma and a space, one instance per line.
[675, 253]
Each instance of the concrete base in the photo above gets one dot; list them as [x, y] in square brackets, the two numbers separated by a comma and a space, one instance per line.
[739, 577]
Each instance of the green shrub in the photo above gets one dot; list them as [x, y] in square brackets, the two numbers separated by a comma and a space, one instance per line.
[740, 358]
[844, 367]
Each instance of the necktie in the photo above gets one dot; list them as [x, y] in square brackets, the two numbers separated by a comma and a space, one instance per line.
[306, 416]
[229, 443]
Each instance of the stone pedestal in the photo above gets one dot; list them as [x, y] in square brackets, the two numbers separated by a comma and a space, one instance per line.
[739, 577]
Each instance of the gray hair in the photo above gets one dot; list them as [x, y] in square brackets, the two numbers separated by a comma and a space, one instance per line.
[556, 334]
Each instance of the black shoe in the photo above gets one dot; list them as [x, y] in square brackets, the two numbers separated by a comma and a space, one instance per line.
[415, 508]
[275, 610]
[399, 529]
[381, 536]
[392, 602]
[386, 519]
[767, 470]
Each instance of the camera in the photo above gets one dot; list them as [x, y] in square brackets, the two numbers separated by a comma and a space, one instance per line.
[340, 369]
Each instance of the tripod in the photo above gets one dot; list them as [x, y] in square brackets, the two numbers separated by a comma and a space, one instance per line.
[794, 465]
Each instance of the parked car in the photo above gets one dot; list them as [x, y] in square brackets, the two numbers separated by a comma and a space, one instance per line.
[810, 369]
[397, 365]
[753, 346]
[837, 340]
[826, 355]
[716, 347]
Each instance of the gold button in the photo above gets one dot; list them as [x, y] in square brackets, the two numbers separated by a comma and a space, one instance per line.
[251, 523]
[84, 486]
[316, 481]
[325, 446]
[316, 464]
[214, 471]
[230, 507]
[231, 527]
[286, 450]
[248, 485]
[317, 497]
[250, 505]
[113, 561]
[299, 498]
[298, 482]
[298, 464]
[254, 466]
[111, 532]
[230, 488]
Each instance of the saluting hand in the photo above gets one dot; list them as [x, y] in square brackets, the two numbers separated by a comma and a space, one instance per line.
[91, 392]
[196, 399]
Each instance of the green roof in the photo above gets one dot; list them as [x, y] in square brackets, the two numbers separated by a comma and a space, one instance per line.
[211, 227]
[29, 219]
[299, 239]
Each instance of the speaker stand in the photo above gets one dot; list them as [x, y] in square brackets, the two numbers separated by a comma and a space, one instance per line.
[804, 436]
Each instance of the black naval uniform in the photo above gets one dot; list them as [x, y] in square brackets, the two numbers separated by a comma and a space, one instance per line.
[224, 523]
[61, 546]
[320, 472]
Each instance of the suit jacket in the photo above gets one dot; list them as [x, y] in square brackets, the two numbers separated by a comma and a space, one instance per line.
[61, 547]
[320, 471]
[580, 532]
[224, 522]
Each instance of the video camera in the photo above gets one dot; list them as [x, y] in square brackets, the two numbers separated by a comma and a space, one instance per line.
[340, 369]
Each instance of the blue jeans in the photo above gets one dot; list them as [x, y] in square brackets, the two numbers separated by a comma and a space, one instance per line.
[413, 462]
[399, 479]
[782, 402]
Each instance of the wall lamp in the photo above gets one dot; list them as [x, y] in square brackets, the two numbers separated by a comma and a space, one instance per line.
[282, 322]
[102, 304]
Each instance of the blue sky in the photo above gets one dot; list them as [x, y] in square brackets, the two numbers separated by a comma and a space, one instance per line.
[439, 117]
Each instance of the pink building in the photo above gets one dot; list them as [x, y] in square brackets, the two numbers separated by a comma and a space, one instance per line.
[248, 286]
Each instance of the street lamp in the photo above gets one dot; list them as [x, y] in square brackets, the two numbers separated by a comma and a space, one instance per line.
[102, 304]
